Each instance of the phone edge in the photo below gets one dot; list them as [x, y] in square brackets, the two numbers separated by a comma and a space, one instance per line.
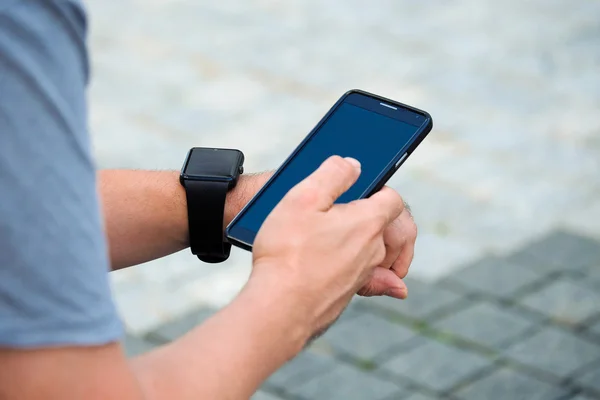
[300, 145]
[420, 136]
[380, 184]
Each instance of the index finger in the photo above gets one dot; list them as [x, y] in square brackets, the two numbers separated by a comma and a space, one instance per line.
[332, 179]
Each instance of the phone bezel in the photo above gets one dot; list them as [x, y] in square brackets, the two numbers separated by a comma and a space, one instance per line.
[243, 241]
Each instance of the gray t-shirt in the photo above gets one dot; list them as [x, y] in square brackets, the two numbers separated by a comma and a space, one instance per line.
[54, 287]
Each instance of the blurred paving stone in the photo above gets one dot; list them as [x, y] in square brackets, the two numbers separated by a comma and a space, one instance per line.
[436, 365]
[215, 290]
[565, 300]
[423, 300]
[538, 197]
[585, 219]
[450, 254]
[556, 351]
[591, 378]
[562, 250]
[594, 273]
[346, 383]
[527, 261]
[457, 234]
[508, 384]
[594, 270]
[421, 396]
[138, 307]
[260, 395]
[135, 346]
[352, 311]
[486, 324]
[595, 328]
[366, 336]
[503, 232]
[423, 195]
[494, 276]
[305, 366]
[182, 325]
[145, 302]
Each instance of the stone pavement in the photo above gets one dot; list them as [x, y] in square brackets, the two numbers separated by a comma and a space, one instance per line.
[514, 90]
[524, 326]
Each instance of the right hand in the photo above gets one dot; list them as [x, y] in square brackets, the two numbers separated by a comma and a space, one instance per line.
[320, 252]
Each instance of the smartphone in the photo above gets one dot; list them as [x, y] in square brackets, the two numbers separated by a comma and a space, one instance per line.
[378, 132]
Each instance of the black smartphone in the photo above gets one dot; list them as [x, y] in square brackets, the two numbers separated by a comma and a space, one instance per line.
[378, 132]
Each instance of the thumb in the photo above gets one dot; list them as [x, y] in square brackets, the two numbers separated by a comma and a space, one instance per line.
[384, 282]
[332, 179]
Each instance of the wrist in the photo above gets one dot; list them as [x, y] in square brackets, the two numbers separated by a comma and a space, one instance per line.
[236, 199]
[282, 311]
[179, 214]
[240, 195]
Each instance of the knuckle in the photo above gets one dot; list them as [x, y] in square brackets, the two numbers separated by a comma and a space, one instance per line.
[393, 202]
[393, 194]
[398, 201]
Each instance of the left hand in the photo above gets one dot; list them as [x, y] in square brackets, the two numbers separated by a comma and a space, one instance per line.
[399, 238]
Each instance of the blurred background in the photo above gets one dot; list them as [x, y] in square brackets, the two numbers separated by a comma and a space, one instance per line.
[505, 190]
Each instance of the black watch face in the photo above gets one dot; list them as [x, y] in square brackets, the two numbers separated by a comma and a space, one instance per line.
[213, 164]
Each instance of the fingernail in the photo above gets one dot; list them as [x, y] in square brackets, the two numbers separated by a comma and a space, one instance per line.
[355, 163]
[396, 293]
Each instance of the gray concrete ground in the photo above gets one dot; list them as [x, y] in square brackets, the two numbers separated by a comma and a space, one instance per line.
[513, 161]
[529, 332]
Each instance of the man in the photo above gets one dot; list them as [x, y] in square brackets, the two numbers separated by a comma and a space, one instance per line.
[59, 331]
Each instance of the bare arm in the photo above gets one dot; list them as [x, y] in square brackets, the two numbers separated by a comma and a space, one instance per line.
[233, 352]
[310, 257]
[225, 358]
[145, 212]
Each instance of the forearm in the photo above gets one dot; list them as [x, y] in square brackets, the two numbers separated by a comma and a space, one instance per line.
[145, 212]
[227, 357]
[231, 354]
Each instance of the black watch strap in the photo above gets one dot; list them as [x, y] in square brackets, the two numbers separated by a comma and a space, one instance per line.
[206, 207]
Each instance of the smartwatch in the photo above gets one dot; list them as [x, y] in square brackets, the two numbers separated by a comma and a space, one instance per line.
[207, 175]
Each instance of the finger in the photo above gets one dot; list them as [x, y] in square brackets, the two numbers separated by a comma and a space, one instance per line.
[324, 186]
[402, 263]
[384, 282]
[394, 238]
[386, 203]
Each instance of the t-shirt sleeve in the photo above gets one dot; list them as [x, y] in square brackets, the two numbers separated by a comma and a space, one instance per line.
[54, 287]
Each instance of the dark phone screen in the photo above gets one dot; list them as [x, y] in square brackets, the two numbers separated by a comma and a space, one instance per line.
[351, 131]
